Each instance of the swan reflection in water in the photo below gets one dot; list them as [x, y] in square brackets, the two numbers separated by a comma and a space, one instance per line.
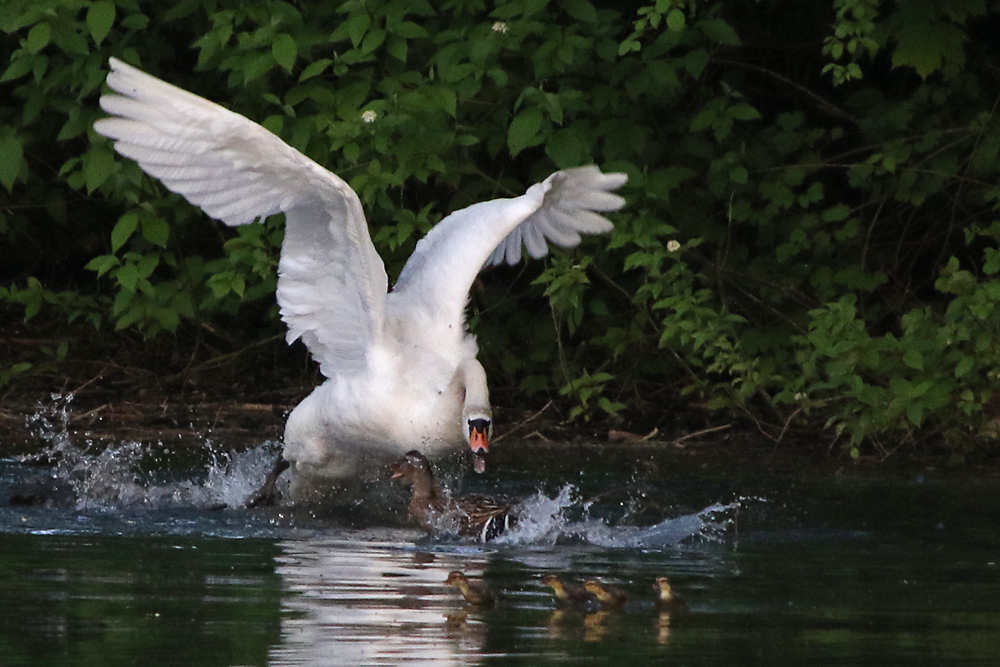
[352, 603]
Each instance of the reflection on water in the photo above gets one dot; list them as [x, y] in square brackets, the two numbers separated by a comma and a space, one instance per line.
[374, 603]
[137, 569]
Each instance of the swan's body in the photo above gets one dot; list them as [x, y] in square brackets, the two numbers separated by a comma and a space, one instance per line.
[401, 367]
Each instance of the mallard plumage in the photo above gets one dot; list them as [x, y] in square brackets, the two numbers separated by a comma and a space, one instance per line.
[609, 596]
[566, 593]
[472, 516]
[475, 591]
[667, 599]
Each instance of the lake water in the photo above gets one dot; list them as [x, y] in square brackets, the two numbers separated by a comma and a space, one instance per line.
[780, 566]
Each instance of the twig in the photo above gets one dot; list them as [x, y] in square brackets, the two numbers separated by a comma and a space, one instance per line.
[89, 413]
[524, 422]
[226, 358]
[788, 423]
[824, 104]
[696, 434]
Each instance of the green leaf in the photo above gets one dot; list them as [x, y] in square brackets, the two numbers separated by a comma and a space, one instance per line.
[284, 50]
[663, 73]
[100, 19]
[409, 30]
[315, 69]
[836, 213]
[444, 98]
[102, 264]
[927, 45]
[396, 47]
[703, 120]
[123, 230]
[373, 39]
[18, 67]
[566, 149]
[676, 20]
[98, 164]
[356, 27]
[743, 111]
[523, 130]
[38, 38]
[11, 158]
[695, 62]
[913, 359]
[581, 10]
[719, 31]
[257, 66]
[156, 231]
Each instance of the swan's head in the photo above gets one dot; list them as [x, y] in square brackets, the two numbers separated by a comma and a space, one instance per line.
[478, 429]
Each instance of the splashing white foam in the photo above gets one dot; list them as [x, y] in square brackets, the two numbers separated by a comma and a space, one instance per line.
[541, 519]
[122, 475]
[235, 476]
[125, 475]
[545, 520]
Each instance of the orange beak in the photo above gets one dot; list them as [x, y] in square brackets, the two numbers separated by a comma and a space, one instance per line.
[479, 440]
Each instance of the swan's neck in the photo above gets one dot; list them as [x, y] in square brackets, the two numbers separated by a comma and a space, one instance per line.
[470, 383]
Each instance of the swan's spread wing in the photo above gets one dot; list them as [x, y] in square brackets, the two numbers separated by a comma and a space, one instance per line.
[332, 283]
[558, 210]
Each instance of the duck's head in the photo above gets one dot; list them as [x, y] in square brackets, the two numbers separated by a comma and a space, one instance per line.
[412, 467]
[552, 581]
[594, 587]
[478, 429]
[456, 578]
[662, 588]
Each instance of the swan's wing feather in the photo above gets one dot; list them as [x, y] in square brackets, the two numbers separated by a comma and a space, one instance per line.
[574, 199]
[332, 283]
[558, 210]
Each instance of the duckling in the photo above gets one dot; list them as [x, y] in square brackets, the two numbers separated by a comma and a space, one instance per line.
[667, 600]
[609, 596]
[475, 591]
[566, 593]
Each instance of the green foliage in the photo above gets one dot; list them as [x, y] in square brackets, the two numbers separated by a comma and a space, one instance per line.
[820, 259]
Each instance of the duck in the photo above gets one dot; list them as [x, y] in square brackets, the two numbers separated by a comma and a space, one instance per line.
[481, 517]
[609, 597]
[568, 594]
[475, 591]
[400, 366]
[668, 600]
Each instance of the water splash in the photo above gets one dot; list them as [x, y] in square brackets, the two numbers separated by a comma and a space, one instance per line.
[126, 475]
[138, 474]
[145, 475]
[551, 520]
[235, 476]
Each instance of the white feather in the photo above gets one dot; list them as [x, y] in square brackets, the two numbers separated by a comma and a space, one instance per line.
[402, 369]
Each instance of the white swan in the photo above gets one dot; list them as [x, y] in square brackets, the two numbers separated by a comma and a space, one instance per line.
[401, 367]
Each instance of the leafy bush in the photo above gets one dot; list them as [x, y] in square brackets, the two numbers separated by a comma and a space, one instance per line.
[810, 239]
